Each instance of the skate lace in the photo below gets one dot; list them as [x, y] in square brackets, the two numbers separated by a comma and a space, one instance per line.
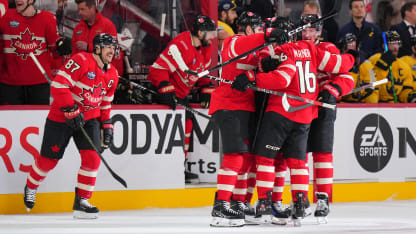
[321, 205]
[226, 206]
[30, 194]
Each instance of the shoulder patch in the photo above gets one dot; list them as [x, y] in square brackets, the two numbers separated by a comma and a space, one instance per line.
[91, 75]
[79, 32]
[14, 24]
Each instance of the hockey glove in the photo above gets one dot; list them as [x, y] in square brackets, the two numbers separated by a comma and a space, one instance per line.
[386, 60]
[241, 82]
[166, 94]
[107, 136]
[277, 36]
[329, 94]
[205, 95]
[63, 46]
[411, 98]
[355, 54]
[73, 117]
[269, 63]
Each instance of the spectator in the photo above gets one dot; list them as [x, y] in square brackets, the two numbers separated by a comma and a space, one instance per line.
[26, 30]
[387, 64]
[227, 13]
[368, 34]
[384, 15]
[411, 61]
[406, 28]
[93, 23]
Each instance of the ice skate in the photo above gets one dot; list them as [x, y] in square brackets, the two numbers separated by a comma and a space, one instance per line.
[191, 178]
[298, 209]
[29, 197]
[224, 216]
[263, 211]
[322, 208]
[281, 214]
[83, 209]
[248, 211]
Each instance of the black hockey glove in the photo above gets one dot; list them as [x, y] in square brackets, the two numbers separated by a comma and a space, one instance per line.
[63, 46]
[277, 36]
[166, 95]
[269, 63]
[73, 117]
[329, 94]
[386, 60]
[411, 98]
[107, 136]
[355, 54]
[205, 95]
[241, 82]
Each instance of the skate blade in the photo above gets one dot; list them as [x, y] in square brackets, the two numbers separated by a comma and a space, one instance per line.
[297, 223]
[263, 219]
[250, 220]
[28, 209]
[322, 220]
[192, 181]
[83, 215]
[222, 222]
[280, 221]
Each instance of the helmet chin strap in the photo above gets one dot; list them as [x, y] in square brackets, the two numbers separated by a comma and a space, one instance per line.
[105, 65]
[27, 6]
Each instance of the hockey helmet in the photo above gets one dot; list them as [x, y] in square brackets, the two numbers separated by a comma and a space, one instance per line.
[393, 37]
[104, 39]
[310, 18]
[203, 23]
[248, 18]
[347, 38]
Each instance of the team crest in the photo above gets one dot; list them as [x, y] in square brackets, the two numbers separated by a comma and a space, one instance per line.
[91, 75]
[91, 98]
[79, 32]
[14, 24]
[25, 44]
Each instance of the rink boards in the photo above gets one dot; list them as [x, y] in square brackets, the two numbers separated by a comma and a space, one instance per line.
[374, 158]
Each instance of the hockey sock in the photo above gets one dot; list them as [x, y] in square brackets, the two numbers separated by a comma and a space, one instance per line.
[240, 189]
[264, 176]
[299, 176]
[188, 131]
[87, 174]
[227, 175]
[40, 168]
[251, 183]
[280, 168]
[323, 172]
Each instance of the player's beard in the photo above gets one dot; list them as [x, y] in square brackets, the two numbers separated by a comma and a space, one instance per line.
[204, 41]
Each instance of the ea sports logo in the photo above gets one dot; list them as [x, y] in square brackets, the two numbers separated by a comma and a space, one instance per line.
[373, 142]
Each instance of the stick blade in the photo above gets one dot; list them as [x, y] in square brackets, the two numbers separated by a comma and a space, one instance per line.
[285, 103]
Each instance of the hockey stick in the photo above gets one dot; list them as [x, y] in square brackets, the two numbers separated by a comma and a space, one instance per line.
[277, 93]
[117, 177]
[290, 108]
[290, 33]
[187, 108]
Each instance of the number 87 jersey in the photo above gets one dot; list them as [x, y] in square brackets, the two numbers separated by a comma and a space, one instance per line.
[296, 75]
[81, 81]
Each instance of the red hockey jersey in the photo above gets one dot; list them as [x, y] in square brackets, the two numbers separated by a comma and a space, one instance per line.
[224, 97]
[80, 81]
[20, 36]
[165, 68]
[297, 76]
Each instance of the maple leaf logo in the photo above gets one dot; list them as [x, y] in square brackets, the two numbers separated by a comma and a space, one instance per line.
[92, 98]
[55, 149]
[25, 44]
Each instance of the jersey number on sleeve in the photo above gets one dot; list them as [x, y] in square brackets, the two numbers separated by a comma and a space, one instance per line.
[307, 79]
[71, 63]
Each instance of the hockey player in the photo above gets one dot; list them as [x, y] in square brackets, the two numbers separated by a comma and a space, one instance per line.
[400, 84]
[173, 84]
[26, 30]
[362, 73]
[411, 61]
[4, 5]
[296, 75]
[82, 90]
[234, 112]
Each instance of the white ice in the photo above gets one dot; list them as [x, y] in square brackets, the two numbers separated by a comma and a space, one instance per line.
[358, 217]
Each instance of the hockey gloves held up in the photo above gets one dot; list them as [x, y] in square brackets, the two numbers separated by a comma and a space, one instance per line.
[205, 95]
[166, 95]
[270, 63]
[63, 46]
[386, 60]
[329, 94]
[241, 82]
[73, 117]
[107, 137]
[277, 36]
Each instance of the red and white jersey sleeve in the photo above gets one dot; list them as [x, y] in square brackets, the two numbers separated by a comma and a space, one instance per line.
[4, 5]
[80, 81]
[21, 36]
[166, 68]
